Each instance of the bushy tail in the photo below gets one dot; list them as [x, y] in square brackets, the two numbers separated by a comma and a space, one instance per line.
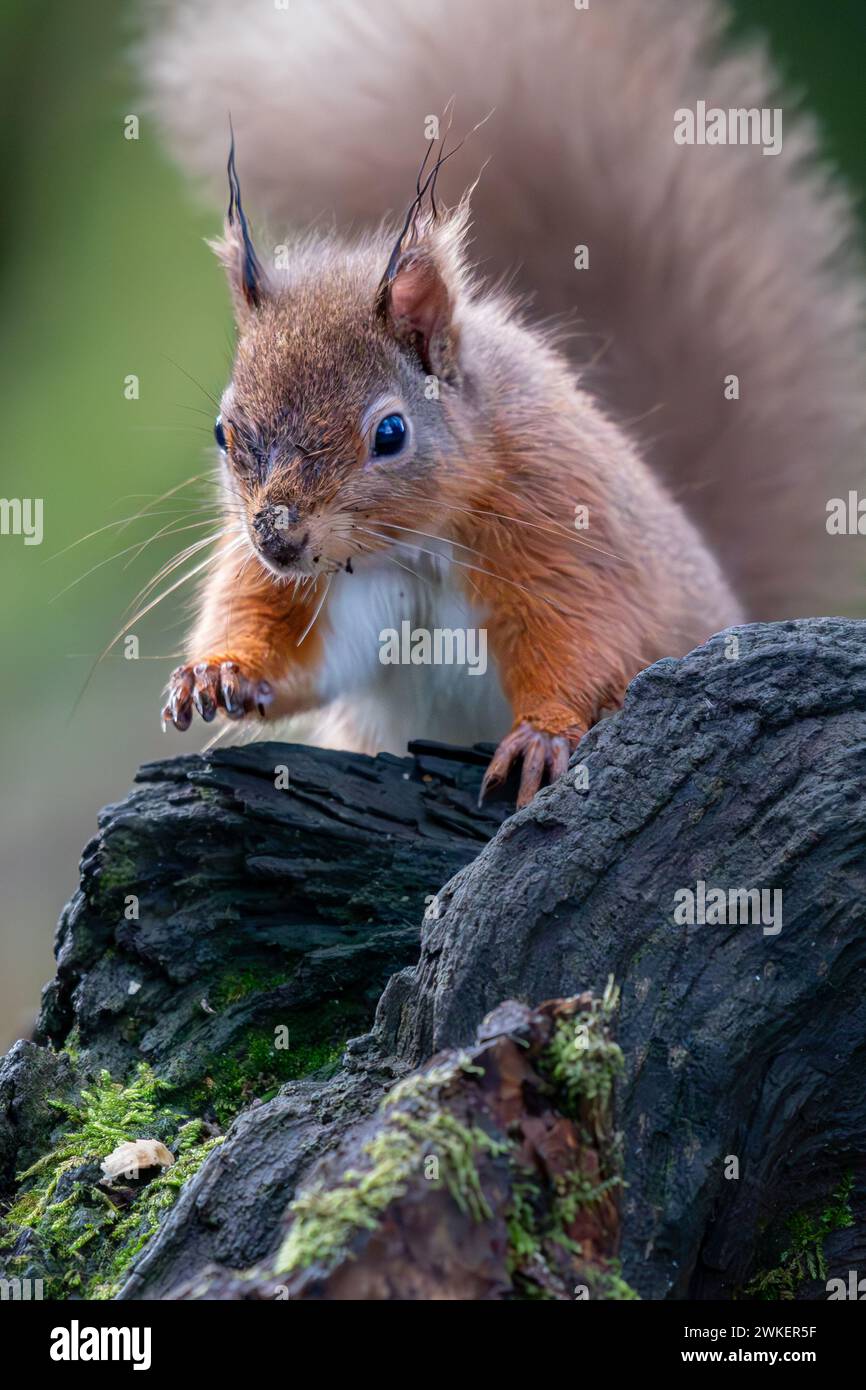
[705, 262]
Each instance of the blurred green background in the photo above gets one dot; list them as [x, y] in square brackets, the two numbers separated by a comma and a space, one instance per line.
[105, 274]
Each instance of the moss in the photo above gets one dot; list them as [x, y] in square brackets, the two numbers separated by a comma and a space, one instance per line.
[259, 1066]
[81, 1236]
[130, 1234]
[118, 869]
[413, 1129]
[258, 1073]
[522, 1223]
[236, 985]
[802, 1255]
[104, 1116]
[609, 1285]
[581, 1064]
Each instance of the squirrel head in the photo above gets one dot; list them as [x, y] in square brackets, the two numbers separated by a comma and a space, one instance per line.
[347, 398]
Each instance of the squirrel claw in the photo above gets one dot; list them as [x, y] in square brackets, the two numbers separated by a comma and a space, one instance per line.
[540, 753]
[209, 686]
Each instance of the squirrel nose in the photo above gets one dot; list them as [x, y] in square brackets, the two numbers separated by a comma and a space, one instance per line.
[278, 534]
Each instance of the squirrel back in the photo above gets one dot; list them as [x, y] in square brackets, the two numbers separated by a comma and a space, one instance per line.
[703, 262]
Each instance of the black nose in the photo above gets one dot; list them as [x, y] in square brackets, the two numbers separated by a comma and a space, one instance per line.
[279, 534]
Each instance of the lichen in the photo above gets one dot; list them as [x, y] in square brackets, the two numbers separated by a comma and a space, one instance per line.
[117, 866]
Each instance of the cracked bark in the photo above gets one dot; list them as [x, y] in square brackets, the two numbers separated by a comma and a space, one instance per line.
[743, 772]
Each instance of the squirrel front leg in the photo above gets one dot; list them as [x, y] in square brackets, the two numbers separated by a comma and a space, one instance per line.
[250, 650]
[557, 676]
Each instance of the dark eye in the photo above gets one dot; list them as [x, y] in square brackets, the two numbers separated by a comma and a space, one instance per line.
[219, 433]
[390, 436]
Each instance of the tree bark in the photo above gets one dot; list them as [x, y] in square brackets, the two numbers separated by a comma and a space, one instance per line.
[741, 1106]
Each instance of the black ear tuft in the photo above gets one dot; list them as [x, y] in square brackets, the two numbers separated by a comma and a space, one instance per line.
[252, 276]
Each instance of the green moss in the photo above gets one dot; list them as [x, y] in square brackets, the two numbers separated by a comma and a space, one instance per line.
[414, 1128]
[581, 1064]
[117, 869]
[238, 984]
[522, 1223]
[802, 1255]
[104, 1116]
[256, 1069]
[129, 1234]
[609, 1285]
[82, 1237]
[258, 1073]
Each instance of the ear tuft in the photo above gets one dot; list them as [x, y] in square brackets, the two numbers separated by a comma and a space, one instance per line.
[247, 278]
[418, 293]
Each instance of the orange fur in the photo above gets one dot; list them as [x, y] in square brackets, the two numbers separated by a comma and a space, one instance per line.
[516, 437]
[501, 455]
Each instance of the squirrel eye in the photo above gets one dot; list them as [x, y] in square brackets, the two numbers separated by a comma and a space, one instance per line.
[390, 436]
[219, 434]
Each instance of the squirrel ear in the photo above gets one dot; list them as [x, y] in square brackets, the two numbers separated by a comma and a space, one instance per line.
[416, 306]
[247, 279]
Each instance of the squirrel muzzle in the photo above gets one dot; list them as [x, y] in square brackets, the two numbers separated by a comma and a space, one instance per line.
[281, 537]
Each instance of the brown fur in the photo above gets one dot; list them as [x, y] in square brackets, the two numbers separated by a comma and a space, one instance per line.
[704, 262]
[498, 464]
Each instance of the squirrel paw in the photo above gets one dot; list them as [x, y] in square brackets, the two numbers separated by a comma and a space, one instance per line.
[540, 753]
[209, 686]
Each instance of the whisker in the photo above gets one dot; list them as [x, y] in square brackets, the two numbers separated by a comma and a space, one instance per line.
[139, 545]
[203, 564]
[463, 564]
[173, 563]
[197, 569]
[552, 528]
[120, 521]
[427, 535]
[311, 624]
[168, 530]
[227, 728]
[188, 482]
[191, 378]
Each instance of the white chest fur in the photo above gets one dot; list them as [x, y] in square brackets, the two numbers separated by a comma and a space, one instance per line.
[373, 707]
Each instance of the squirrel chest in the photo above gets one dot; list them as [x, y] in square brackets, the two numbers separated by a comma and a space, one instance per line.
[404, 651]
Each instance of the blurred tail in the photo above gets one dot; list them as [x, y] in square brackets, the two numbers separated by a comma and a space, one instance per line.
[705, 262]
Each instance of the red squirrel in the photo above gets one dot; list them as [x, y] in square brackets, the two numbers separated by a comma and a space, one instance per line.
[399, 440]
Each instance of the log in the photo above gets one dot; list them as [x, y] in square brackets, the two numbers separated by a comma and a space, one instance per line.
[489, 1174]
[229, 933]
[741, 766]
[736, 771]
